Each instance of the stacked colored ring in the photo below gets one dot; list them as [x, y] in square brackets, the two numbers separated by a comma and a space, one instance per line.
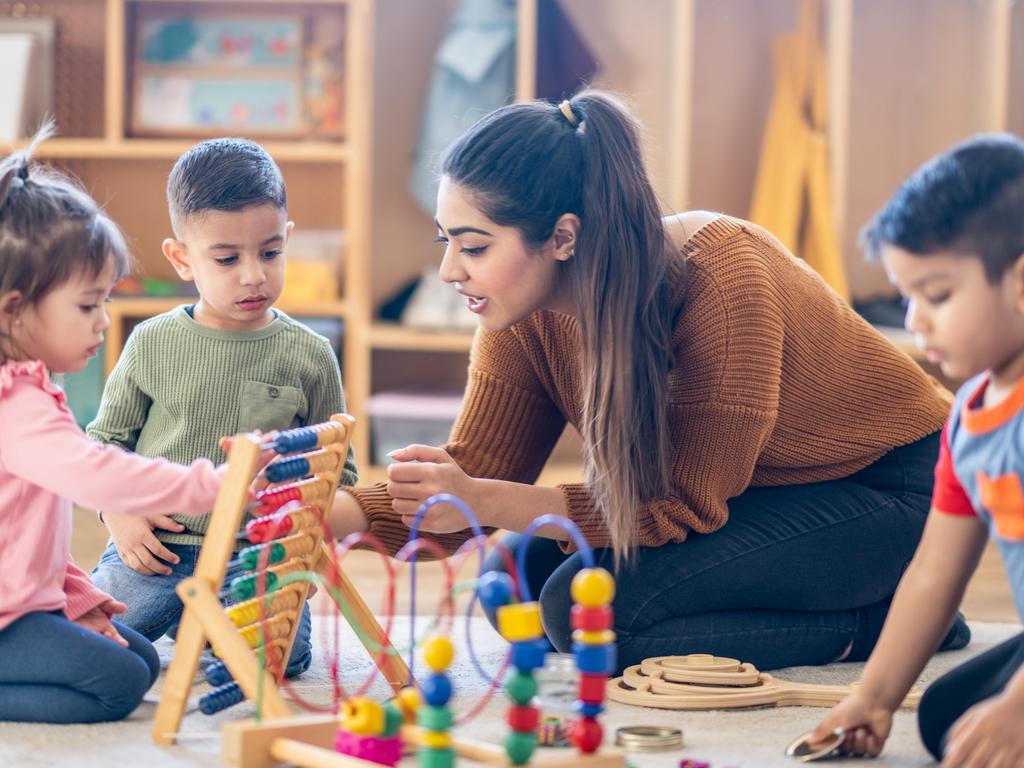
[594, 648]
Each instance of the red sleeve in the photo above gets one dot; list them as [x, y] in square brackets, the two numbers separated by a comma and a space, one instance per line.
[949, 495]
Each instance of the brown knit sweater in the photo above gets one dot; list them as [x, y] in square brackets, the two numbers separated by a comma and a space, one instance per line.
[776, 381]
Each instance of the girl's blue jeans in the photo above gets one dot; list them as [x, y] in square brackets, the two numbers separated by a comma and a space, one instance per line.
[800, 574]
[55, 671]
[154, 608]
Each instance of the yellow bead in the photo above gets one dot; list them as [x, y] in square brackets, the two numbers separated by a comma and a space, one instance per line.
[438, 653]
[362, 716]
[408, 700]
[593, 587]
[593, 637]
[520, 621]
[435, 739]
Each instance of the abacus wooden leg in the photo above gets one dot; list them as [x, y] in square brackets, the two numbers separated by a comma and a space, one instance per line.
[363, 620]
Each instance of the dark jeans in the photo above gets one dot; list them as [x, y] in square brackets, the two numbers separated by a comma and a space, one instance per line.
[958, 690]
[154, 608]
[798, 575]
[55, 671]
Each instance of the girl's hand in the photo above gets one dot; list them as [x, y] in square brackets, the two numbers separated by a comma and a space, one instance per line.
[988, 734]
[98, 620]
[136, 545]
[866, 724]
[423, 472]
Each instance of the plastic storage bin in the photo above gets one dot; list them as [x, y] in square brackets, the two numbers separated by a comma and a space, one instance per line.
[398, 419]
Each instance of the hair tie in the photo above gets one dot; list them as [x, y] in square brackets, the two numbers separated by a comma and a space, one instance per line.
[566, 108]
[23, 170]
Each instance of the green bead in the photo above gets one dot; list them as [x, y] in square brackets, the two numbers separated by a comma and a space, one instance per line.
[437, 758]
[250, 556]
[521, 688]
[435, 718]
[393, 720]
[519, 747]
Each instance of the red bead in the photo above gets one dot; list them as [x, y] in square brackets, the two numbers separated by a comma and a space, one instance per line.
[523, 719]
[592, 687]
[586, 735]
[591, 619]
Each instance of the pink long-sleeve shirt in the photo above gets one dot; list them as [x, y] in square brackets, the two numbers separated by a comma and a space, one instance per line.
[46, 464]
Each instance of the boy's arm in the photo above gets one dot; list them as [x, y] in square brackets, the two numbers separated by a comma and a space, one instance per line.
[124, 406]
[327, 398]
[924, 606]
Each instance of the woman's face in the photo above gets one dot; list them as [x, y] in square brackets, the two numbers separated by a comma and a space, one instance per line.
[503, 281]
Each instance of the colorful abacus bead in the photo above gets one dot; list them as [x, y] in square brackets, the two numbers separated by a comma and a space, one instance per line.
[688, 763]
[280, 524]
[296, 467]
[306, 491]
[221, 698]
[594, 648]
[519, 623]
[436, 718]
[306, 438]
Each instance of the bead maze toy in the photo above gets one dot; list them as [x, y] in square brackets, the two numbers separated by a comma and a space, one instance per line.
[702, 681]
[290, 537]
[366, 734]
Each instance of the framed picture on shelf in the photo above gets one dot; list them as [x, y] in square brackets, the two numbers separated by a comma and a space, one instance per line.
[197, 72]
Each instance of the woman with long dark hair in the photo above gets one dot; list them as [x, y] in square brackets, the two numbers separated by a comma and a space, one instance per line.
[758, 459]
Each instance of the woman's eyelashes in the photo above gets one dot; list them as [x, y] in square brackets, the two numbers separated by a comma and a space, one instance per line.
[475, 251]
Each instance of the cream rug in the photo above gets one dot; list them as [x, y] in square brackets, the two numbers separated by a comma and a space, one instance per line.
[725, 738]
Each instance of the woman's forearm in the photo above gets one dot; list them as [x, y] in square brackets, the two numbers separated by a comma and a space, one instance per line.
[513, 506]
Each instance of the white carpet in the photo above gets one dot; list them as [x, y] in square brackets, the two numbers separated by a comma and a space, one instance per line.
[731, 738]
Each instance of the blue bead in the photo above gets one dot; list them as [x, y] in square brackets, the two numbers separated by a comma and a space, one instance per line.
[287, 469]
[529, 654]
[595, 659]
[221, 698]
[300, 439]
[588, 710]
[494, 589]
[436, 690]
[217, 673]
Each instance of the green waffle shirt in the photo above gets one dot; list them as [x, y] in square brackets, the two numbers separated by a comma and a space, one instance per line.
[179, 386]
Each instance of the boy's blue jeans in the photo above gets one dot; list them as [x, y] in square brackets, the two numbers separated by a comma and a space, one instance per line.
[155, 610]
[55, 671]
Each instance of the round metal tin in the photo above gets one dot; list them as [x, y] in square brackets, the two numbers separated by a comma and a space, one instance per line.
[648, 738]
[802, 751]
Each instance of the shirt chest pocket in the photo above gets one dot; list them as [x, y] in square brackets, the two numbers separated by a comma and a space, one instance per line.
[268, 406]
[1003, 498]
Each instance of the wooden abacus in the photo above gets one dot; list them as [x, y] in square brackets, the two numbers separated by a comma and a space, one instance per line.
[290, 539]
[701, 681]
[308, 741]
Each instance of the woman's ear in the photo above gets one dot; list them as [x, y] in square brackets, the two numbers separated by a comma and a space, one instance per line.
[567, 230]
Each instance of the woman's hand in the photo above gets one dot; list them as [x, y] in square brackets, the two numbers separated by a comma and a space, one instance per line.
[866, 724]
[423, 471]
[988, 734]
[98, 620]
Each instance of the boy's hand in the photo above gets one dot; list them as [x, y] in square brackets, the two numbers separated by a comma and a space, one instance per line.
[98, 620]
[138, 547]
[988, 734]
[866, 724]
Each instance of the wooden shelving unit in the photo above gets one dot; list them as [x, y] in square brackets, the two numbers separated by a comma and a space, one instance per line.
[905, 80]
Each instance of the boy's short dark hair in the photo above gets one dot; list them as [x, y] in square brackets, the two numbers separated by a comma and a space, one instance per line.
[969, 200]
[223, 175]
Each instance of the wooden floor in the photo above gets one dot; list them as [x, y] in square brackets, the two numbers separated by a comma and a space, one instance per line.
[988, 597]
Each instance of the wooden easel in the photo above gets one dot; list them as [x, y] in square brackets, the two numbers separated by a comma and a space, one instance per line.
[701, 681]
[204, 617]
[792, 194]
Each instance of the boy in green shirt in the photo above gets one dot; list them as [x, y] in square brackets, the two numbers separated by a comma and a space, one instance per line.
[228, 363]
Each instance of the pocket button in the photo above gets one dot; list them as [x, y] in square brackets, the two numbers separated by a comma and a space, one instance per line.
[273, 391]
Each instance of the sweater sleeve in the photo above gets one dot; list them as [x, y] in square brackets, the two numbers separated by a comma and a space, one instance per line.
[326, 398]
[506, 430]
[81, 593]
[124, 406]
[41, 443]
